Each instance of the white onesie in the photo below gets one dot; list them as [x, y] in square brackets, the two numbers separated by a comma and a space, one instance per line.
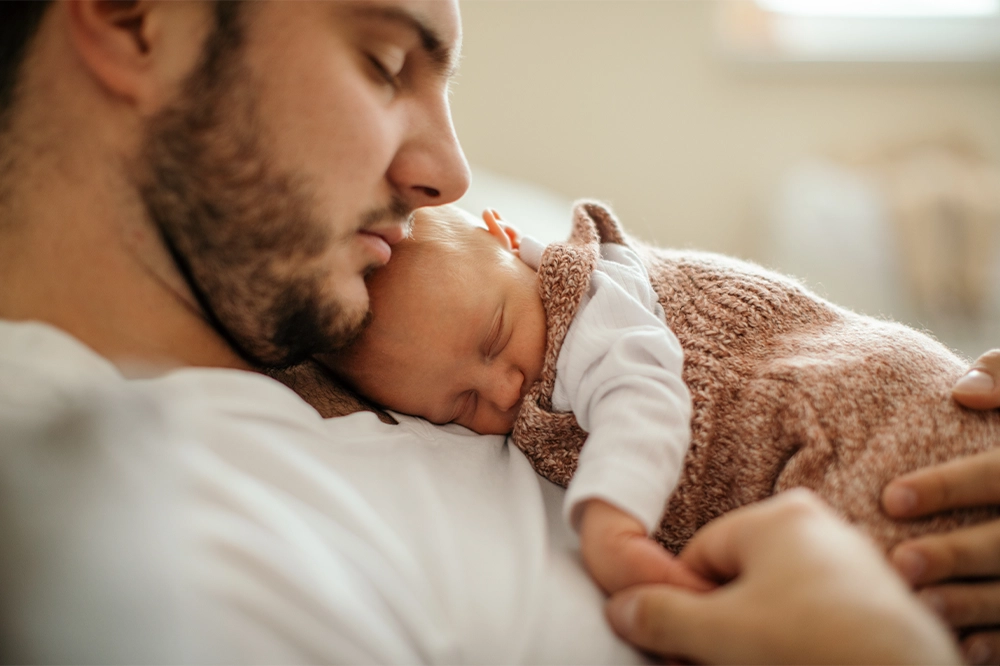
[619, 372]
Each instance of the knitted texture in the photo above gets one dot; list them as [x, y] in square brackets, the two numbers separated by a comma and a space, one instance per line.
[788, 389]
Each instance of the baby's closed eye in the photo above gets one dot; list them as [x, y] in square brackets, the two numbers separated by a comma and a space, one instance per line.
[493, 344]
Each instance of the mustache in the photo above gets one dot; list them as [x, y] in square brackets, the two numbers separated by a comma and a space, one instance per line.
[395, 212]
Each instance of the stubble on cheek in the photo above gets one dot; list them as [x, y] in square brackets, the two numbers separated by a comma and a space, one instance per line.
[245, 235]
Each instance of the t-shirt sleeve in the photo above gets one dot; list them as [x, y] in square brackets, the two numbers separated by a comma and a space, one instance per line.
[619, 371]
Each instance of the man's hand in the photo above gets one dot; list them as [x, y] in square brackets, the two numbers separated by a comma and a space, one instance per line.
[979, 388]
[798, 585]
[618, 553]
[932, 561]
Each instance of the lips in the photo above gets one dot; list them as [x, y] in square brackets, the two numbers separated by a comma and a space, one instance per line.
[380, 240]
[377, 245]
[390, 235]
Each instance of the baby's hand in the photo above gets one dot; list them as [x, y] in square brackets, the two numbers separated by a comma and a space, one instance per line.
[499, 227]
[618, 554]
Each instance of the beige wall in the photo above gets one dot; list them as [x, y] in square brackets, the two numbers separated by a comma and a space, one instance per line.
[631, 102]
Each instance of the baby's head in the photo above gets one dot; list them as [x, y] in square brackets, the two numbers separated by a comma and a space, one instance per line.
[457, 329]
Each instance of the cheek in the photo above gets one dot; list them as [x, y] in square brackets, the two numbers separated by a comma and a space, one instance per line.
[329, 122]
[494, 423]
[347, 147]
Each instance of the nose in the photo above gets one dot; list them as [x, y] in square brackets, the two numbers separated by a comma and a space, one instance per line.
[505, 388]
[430, 168]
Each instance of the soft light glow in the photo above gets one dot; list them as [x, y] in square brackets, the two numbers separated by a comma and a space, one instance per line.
[882, 8]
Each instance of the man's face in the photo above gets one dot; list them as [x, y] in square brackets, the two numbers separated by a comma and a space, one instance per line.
[293, 159]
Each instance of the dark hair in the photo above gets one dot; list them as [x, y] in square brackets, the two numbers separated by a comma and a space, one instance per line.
[19, 20]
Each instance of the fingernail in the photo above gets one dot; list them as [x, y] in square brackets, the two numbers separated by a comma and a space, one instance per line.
[622, 614]
[978, 652]
[934, 601]
[899, 500]
[975, 381]
[909, 563]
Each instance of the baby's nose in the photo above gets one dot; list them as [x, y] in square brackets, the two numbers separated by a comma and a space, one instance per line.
[508, 390]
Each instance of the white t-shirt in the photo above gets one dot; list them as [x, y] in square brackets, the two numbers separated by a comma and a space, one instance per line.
[619, 372]
[211, 515]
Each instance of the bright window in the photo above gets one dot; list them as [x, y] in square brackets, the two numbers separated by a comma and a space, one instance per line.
[861, 30]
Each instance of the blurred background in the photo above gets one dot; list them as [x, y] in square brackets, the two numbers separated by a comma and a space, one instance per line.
[852, 143]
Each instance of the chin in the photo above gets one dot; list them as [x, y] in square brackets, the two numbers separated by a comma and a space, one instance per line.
[506, 428]
[306, 328]
[354, 324]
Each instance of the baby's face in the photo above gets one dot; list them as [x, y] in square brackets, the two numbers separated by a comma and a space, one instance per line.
[457, 343]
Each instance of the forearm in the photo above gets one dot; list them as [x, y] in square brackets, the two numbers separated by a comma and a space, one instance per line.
[634, 454]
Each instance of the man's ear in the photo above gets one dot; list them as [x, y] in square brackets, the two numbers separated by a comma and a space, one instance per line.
[124, 45]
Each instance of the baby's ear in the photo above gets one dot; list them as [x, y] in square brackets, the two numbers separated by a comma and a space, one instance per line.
[508, 236]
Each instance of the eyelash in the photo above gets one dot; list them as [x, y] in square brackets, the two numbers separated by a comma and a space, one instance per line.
[495, 347]
[468, 407]
[383, 72]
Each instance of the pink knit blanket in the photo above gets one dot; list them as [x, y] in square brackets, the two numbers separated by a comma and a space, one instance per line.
[788, 389]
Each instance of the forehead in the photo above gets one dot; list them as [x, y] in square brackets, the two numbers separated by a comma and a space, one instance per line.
[427, 324]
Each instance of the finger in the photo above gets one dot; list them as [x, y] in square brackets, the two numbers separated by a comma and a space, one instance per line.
[963, 482]
[966, 605]
[982, 648]
[667, 621]
[618, 554]
[648, 562]
[720, 550]
[514, 235]
[970, 551]
[979, 388]
[639, 561]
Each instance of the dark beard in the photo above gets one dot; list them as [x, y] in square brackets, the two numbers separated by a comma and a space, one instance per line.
[240, 231]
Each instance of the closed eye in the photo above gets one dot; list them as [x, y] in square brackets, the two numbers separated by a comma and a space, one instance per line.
[383, 72]
[496, 342]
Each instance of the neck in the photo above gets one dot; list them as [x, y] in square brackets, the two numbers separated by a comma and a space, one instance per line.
[85, 259]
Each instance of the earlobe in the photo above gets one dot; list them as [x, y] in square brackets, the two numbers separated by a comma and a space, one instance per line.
[113, 40]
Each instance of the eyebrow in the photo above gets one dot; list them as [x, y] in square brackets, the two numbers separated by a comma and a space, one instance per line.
[443, 57]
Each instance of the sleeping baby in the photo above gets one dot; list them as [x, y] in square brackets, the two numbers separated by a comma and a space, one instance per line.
[662, 388]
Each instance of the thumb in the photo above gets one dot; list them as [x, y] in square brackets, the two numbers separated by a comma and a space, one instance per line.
[979, 388]
[666, 620]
